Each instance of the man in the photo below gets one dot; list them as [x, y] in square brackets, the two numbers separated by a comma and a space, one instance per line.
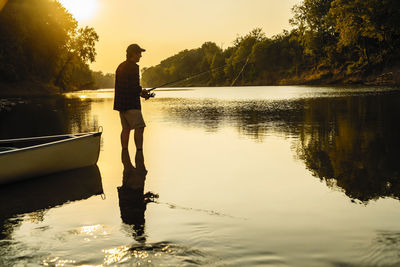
[127, 97]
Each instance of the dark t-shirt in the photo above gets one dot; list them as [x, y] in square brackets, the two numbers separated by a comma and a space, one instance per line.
[127, 87]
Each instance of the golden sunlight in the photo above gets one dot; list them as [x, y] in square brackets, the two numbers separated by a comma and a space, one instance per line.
[2, 4]
[81, 10]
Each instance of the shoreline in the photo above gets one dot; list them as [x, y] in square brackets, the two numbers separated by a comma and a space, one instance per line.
[28, 88]
[32, 88]
[390, 79]
[386, 78]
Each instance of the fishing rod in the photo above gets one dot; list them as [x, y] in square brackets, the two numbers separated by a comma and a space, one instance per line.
[198, 74]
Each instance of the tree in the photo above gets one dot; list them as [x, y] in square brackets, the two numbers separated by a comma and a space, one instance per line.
[241, 55]
[372, 27]
[102, 80]
[33, 34]
[40, 41]
[316, 27]
[79, 48]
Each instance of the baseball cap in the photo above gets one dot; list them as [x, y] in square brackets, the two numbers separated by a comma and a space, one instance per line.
[134, 48]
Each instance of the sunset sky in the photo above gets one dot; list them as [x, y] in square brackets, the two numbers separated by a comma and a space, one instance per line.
[165, 27]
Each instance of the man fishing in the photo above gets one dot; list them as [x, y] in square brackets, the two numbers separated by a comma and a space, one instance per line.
[127, 97]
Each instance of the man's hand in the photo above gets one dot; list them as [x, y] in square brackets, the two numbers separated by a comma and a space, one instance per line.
[145, 94]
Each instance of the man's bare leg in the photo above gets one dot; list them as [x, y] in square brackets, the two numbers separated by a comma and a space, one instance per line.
[138, 136]
[125, 137]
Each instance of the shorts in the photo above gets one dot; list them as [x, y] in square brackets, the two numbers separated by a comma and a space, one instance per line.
[132, 119]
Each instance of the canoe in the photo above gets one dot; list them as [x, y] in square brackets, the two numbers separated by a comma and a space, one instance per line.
[49, 191]
[25, 158]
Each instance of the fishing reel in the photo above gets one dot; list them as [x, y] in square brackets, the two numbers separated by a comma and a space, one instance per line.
[147, 94]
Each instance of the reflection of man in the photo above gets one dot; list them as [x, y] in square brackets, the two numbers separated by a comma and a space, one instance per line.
[132, 200]
[127, 97]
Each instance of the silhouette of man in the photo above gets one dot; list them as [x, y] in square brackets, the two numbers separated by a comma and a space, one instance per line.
[132, 200]
[127, 97]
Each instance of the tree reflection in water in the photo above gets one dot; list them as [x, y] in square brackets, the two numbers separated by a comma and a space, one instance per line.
[46, 116]
[350, 142]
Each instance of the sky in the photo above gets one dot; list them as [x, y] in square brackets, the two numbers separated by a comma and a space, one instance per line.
[166, 27]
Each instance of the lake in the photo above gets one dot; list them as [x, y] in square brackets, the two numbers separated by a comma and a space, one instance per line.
[242, 176]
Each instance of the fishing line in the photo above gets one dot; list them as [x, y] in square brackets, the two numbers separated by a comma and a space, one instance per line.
[210, 212]
[187, 78]
[244, 66]
[201, 73]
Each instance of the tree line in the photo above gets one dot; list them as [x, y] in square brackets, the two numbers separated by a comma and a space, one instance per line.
[40, 42]
[332, 41]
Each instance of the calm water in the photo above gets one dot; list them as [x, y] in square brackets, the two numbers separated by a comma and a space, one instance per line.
[246, 176]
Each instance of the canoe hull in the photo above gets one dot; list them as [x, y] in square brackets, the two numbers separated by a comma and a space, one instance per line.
[72, 153]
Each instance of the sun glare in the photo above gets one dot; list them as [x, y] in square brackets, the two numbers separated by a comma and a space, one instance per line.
[2, 4]
[81, 9]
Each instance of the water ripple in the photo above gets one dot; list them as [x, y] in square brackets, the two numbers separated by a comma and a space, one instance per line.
[384, 250]
[160, 253]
